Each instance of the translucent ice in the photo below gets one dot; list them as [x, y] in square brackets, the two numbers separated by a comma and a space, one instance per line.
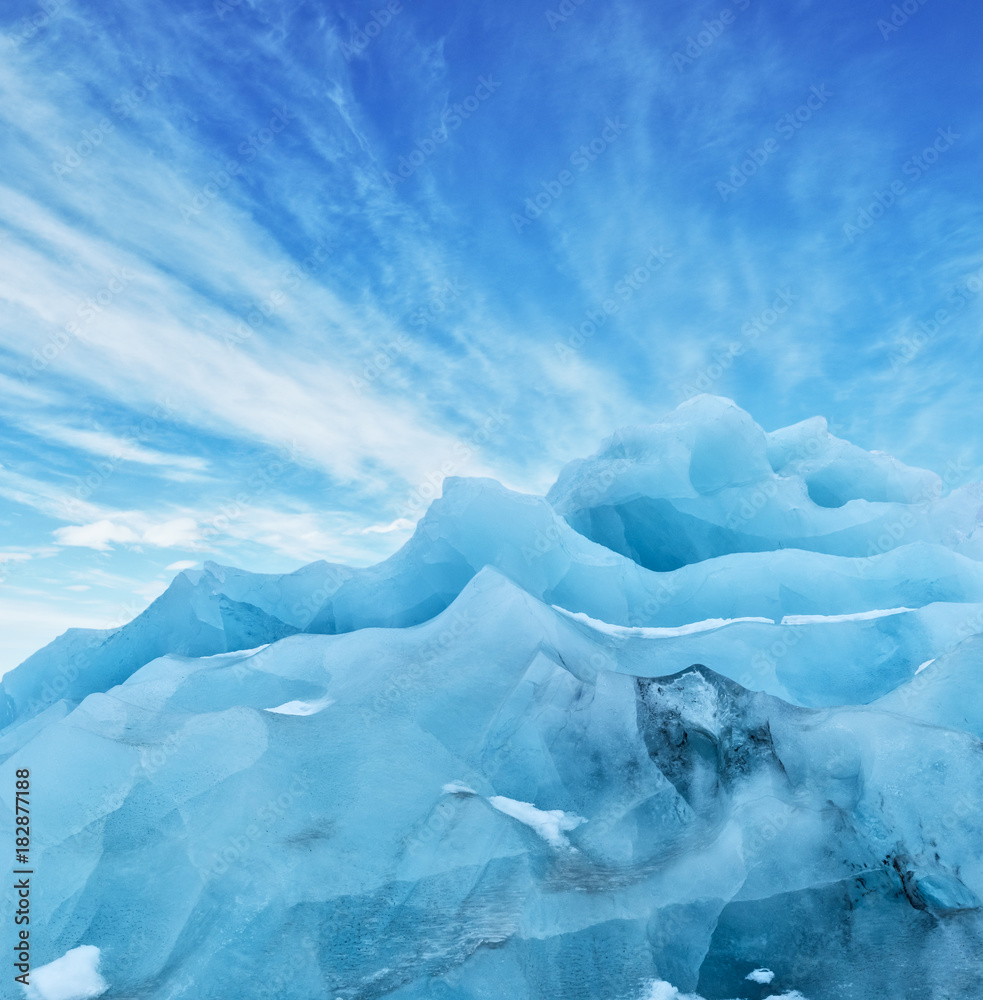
[704, 723]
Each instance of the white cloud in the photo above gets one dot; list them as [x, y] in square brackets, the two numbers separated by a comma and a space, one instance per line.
[181, 564]
[400, 524]
[254, 390]
[117, 448]
[299, 534]
[97, 535]
[182, 532]
[46, 498]
[130, 529]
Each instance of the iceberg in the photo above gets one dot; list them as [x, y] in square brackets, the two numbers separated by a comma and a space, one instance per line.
[615, 742]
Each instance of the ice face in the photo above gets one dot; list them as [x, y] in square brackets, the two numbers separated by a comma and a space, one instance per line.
[513, 761]
[707, 481]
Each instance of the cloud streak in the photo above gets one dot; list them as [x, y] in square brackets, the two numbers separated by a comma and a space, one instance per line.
[237, 238]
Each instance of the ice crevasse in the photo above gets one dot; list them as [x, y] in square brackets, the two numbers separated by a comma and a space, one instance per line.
[704, 721]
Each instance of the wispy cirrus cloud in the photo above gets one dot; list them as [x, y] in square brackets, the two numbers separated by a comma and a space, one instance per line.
[223, 331]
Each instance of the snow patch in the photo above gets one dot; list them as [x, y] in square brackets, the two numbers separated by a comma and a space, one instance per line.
[652, 632]
[550, 824]
[236, 653]
[661, 990]
[458, 788]
[74, 976]
[301, 707]
[927, 663]
[856, 616]
[764, 976]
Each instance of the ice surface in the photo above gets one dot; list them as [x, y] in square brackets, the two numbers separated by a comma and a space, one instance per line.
[596, 746]
[707, 481]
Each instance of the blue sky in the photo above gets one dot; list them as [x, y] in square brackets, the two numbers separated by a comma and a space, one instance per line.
[269, 270]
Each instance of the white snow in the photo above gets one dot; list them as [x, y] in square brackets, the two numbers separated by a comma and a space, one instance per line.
[550, 824]
[236, 652]
[661, 632]
[927, 663]
[764, 976]
[74, 976]
[856, 616]
[458, 788]
[661, 990]
[301, 707]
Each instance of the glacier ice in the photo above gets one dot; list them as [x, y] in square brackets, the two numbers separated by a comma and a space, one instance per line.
[703, 722]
